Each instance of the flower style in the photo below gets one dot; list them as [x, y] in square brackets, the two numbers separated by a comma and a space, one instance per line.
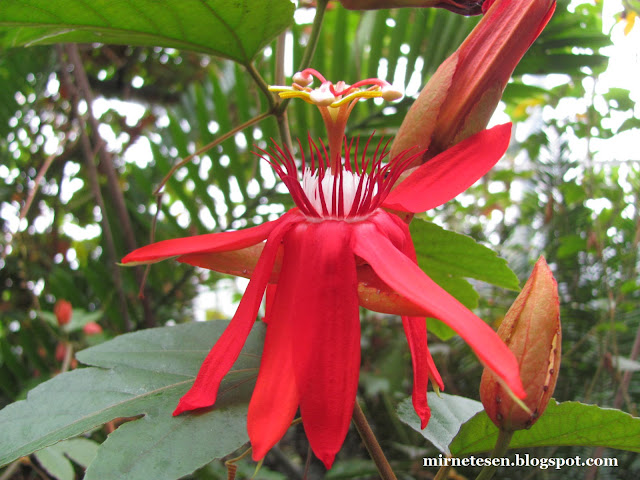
[313, 263]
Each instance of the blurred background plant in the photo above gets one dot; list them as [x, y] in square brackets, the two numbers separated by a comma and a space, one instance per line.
[569, 188]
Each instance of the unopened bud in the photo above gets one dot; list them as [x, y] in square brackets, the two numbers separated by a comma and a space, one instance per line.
[531, 330]
[61, 350]
[92, 328]
[63, 312]
[301, 79]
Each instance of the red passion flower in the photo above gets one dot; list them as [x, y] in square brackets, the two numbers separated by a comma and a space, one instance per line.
[312, 258]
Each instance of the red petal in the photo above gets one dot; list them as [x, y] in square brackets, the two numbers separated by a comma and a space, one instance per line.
[415, 329]
[400, 273]
[275, 398]
[331, 338]
[269, 298]
[211, 242]
[453, 171]
[226, 350]
[317, 293]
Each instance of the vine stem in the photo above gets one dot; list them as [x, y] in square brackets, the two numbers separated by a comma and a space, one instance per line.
[209, 146]
[11, 469]
[314, 36]
[502, 444]
[371, 442]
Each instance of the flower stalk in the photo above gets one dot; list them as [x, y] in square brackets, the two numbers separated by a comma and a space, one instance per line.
[371, 443]
[499, 451]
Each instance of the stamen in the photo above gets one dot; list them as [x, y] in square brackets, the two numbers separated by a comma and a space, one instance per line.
[350, 192]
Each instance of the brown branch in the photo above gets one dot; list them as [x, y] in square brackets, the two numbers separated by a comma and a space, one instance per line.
[371, 442]
[94, 183]
[106, 163]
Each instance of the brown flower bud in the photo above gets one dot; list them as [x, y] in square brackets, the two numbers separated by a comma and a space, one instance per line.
[63, 311]
[531, 330]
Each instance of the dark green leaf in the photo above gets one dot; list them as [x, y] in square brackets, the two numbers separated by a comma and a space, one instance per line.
[567, 423]
[143, 373]
[448, 253]
[448, 258]
[234, 30]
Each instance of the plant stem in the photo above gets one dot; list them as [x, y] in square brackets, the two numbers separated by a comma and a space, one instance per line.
[373, 447]
[281, 116]
[11, 468]
[443, 472]
[209, 146]
[321, 7]
[262, 85]
[502, 444]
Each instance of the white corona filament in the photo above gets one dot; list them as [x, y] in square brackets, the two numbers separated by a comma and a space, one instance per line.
[350, 181]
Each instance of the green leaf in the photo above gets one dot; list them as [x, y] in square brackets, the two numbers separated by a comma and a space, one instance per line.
[80, 318]
[449, 257]
[452, 254]
[55, 463]
[567, 423]
[142, 373]
[54, 459]
[448, 414]
[80, 450]
[226, 28]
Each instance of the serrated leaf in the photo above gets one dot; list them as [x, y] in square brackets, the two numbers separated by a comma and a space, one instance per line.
[143, 373]
[567, 423]
[448, 253]
[448, 414]
[225, 28]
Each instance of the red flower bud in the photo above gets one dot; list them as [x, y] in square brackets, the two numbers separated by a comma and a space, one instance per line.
[63, 311]
[92, 328]
[463, 7]
[61, 350]
[531, 330]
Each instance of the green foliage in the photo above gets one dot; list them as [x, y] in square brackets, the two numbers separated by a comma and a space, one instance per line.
[142, 373]
[566, 423]
[448, 258]
[55, 459]
[215, 27]
[448, 414]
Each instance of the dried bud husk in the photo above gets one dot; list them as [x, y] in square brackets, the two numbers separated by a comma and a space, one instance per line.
[463, 7]
[531, 330]
[63, 311]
